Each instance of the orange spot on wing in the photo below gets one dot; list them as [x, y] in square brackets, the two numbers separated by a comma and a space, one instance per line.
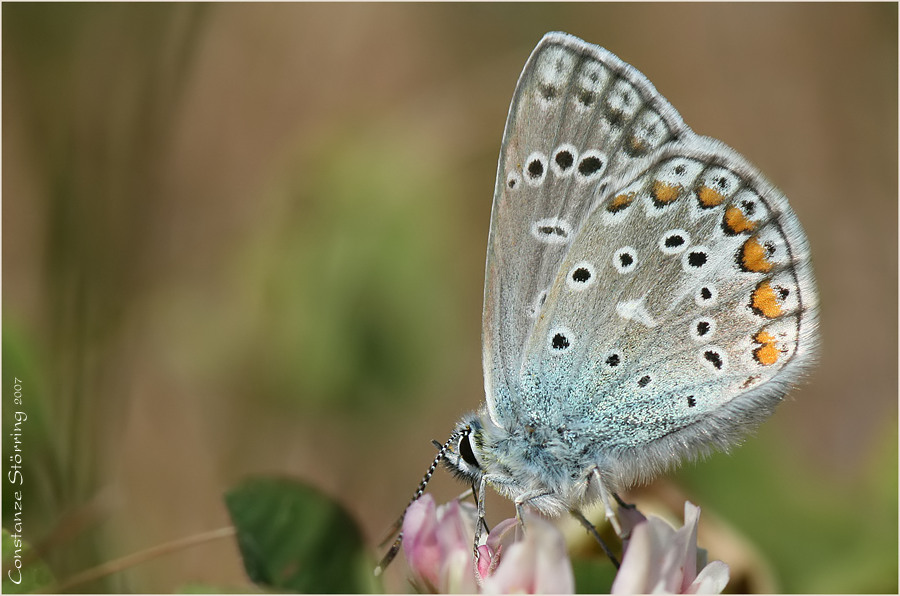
[665, 193]
[767, 353]
[709, 197]
[764, 300]
[753, 256]
[736, 222]
[620, 202]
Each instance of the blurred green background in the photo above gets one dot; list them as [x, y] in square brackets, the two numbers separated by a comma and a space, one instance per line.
[249, 239]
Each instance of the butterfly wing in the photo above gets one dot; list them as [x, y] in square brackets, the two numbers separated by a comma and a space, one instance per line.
[683, 309]
[648, 293]
[579, 118]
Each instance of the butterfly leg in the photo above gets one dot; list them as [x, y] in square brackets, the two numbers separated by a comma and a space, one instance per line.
[593, 532]
[521, 501]
[607, 505]
[480, 525]
[623, 503]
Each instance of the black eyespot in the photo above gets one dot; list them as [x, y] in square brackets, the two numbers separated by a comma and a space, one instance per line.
[581, 275]
[714, 358]
[613, 360]
[722, 183]
[552, 230]
[697, 259]
[535, 168]
[702, 328]
[625, 260]
[465, 451]
[705, 293]
[680, 169]
[564, 160]
[644, 381]
[560, 342]
[590, 165]
[691, 401]
[674, 240]
[511, 183]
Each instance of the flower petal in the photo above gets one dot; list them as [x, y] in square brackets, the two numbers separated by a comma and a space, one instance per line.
[660, 559]
[437, 543]
[538, 564]
[712, 579]
[420, 541]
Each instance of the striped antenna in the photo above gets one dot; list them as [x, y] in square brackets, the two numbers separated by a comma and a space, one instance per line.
[396, 528]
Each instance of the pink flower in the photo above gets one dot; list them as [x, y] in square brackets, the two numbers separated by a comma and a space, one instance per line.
[437, 543]
[662, 560]
[536, 564]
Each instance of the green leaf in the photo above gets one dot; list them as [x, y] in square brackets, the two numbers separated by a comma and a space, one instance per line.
[294, 538]
[23, 574]
[593, 575]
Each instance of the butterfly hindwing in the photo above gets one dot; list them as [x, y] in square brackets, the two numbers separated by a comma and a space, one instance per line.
[683, 309]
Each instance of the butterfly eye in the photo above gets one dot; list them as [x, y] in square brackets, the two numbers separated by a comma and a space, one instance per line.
[465, 451]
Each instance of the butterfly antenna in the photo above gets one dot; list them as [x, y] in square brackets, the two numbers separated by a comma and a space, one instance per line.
[398, 525]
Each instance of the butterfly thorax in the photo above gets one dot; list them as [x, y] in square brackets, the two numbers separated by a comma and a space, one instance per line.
[539, 465]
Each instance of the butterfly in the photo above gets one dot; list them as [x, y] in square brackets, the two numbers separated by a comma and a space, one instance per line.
[648, 294]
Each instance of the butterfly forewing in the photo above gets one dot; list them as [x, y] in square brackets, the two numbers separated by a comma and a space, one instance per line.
[580, 118]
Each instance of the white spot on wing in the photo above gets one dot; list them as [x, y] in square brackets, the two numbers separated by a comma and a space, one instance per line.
[633, 310]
